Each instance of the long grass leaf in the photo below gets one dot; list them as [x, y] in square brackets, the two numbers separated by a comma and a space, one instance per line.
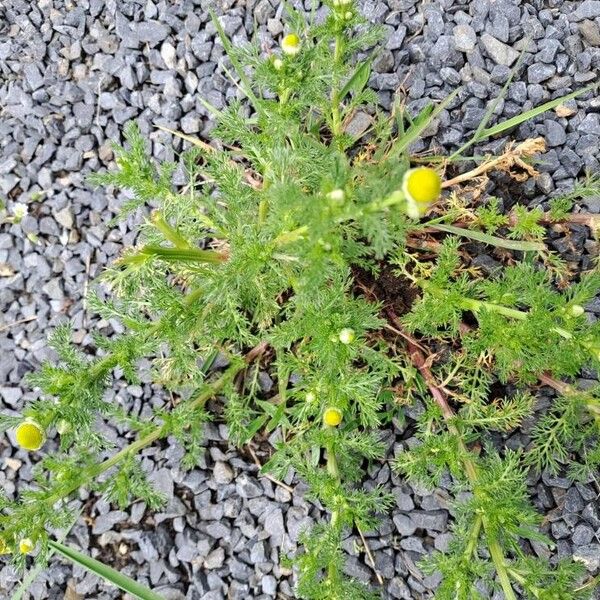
[246, 85]
[491, 239]
[490, 110]
[104, 571]
[418, 127]
[358, 80]
[534, 112]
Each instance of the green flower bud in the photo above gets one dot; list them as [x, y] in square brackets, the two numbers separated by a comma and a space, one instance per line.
[576, 310]
[347, 335]
[337, 196]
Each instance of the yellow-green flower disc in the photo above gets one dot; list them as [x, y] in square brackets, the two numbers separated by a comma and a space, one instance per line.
[291, 44]
[422, 185]
[26, 546]
[332, 416]
[30, 435]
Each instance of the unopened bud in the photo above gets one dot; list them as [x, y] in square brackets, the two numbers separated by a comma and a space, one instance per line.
[338, 196]
[347, 335]
[577, 310]
[63, 427]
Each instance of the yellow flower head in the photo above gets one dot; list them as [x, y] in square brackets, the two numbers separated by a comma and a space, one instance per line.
[347, 335]
[30, 435]
[26, 546]
[291, 44]
[332, 416]
[277, 64]
[421, 187]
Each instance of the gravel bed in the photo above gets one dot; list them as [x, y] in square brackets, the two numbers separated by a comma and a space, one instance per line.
[72, 73]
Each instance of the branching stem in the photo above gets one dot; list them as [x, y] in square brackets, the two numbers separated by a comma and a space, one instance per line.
[475, 306]
[496, 552]
[155, 434]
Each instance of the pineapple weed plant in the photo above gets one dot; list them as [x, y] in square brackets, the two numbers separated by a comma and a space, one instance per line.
[272, 256]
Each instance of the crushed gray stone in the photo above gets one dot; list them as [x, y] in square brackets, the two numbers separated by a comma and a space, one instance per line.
[72, 76]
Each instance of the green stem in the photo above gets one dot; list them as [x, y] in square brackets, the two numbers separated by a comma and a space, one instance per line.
[475, 306]
[191, 297]
[291, 236]
[263, 208]
[496, 552]
[171, 234]
[473, 538]
[522, 581]
[495, 549]
[158, 432]
[500, 564]
[336, 117]
[332, 469]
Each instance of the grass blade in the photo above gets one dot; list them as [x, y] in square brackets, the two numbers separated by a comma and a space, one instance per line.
[418, 126]
[359, 79]
[491, 239]
[246, 86]
[104, 571]
[490, 110]
[534, 112]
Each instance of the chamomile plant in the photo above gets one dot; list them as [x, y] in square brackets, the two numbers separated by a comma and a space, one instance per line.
[279, 254]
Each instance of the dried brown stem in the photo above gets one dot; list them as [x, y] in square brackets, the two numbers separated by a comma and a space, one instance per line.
[512, 157]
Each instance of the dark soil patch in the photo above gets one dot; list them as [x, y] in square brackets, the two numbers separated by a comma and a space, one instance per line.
[394, 291]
